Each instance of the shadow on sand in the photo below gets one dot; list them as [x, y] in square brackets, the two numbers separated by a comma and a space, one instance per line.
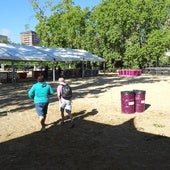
[87, 146]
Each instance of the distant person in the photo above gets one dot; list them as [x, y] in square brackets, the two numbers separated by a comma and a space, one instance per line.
[64, 94]
[59, 71]
[40, 92]
[46, 72]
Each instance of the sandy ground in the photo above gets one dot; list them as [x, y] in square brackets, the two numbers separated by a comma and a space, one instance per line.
[103, 136]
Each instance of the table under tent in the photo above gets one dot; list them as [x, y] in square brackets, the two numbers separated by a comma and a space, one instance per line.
[17, 53]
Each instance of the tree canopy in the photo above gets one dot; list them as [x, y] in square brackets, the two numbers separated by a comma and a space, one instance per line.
[128, 34]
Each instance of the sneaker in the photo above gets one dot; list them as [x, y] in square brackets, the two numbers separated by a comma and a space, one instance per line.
[62, 123]
[43, 129]
[72, 125]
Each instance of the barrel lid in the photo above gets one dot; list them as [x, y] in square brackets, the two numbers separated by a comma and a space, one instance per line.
[139, 91]
[127, 92]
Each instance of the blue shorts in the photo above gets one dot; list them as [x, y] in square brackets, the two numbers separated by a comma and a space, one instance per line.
[41, 108]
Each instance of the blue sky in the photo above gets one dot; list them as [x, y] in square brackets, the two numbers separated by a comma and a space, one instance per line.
[15, 14]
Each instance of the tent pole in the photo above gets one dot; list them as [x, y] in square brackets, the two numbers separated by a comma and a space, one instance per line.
[104, 67]
[83, 68]
[13, 73]
[54, 70]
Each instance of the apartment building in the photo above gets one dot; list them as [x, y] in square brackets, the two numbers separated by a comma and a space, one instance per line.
[29, 38]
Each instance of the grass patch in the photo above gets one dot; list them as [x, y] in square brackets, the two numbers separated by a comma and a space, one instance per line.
[158, 125]
[140, 128]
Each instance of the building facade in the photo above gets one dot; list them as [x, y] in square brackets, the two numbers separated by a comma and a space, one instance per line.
[29, 38]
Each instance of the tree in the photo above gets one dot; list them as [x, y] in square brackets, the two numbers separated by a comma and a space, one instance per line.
[4, 40]
[64, 27]
[121, 30]
[131, 33]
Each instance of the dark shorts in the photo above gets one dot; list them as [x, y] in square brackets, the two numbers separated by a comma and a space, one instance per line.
[41, 108]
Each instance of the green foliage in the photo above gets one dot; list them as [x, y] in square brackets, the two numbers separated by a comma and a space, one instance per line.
[128, 34]
[157, 43]
[4, 40]
[157, 125]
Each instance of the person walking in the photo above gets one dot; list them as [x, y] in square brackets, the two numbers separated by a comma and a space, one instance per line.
[64, 94]
[40, 93]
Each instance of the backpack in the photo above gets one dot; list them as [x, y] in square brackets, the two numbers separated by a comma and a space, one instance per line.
[66, 92]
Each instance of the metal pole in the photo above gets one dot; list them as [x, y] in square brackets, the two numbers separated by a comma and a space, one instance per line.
[54, 70]
[13, 74]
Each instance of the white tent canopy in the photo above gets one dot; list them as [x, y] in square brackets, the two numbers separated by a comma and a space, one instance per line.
[5, 56]
[67, 54]
[60, 54]
[22, 53]
[34, 53]
[11, 52]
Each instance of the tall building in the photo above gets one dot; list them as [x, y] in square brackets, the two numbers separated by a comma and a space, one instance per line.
[29, 38]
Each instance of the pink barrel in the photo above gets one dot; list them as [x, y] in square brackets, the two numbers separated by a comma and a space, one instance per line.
[119, 72]
[139, 100]
[131, 72]
[136, 72]
[123, 72]
[139, 72]
[127, 102]
[127, 72]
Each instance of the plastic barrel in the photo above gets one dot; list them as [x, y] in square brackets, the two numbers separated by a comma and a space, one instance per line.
[128, 72]
[123, 72]
[131, 73]
[139, 100]
[127, 102]
[119, 72]
[139, 72]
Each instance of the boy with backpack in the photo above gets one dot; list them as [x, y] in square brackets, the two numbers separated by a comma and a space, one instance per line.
[64, 94]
